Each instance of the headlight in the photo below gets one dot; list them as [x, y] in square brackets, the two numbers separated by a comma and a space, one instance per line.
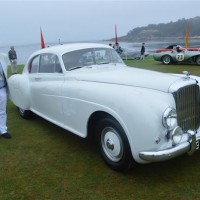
[170, 118]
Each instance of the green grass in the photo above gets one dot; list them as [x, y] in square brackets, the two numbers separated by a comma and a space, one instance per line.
[150, 64]
[43, 161]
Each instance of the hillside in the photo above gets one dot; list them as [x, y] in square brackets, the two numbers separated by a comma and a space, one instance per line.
[164, 31]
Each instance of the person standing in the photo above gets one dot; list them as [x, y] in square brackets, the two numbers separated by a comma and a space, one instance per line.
[3, 97]
[142, 52]
[118, 49]
[12, 55]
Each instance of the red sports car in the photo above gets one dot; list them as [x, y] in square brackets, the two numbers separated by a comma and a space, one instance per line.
[171, 47]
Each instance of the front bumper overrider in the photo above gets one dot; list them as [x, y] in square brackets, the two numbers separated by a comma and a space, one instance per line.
[189, 147]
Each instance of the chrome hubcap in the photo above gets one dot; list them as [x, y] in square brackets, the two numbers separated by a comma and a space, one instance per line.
[166, 60]
[112, 144]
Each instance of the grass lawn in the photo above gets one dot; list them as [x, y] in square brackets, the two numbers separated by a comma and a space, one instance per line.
[43, 161]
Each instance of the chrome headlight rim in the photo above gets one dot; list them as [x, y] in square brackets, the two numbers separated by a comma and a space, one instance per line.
[170, 118]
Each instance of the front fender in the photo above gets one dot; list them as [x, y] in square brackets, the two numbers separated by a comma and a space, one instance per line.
[142, 119]
[19, 91]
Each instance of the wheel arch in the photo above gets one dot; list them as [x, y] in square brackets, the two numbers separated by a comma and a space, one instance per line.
[94, 119]
[97, 116]
[125, 163]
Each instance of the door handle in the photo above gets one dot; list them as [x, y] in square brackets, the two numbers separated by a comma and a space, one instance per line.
[37, 78]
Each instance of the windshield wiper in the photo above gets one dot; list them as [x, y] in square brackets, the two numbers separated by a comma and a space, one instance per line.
[77, 67]
[103, 63]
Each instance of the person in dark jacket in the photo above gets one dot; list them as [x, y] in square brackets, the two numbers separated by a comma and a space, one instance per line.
[142, 52]
[12, 55]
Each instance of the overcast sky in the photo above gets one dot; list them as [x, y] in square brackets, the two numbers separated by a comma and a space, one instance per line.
[80, 20]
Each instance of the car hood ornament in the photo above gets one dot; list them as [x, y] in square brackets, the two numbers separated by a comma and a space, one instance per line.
[187, 75]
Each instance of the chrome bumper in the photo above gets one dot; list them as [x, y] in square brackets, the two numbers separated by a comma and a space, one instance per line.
[187, 147]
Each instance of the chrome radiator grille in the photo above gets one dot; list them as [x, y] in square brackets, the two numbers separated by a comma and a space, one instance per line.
[187, 107]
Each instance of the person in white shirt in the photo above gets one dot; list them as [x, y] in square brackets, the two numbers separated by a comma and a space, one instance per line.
[3, 97]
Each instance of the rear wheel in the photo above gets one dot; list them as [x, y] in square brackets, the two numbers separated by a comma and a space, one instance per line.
[113, 145]
[26, 114]
[166, 60]
[198, 60]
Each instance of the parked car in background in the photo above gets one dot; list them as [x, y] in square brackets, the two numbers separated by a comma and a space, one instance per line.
[171, 47]
[134, 115]
[178, 56]
[132, 55]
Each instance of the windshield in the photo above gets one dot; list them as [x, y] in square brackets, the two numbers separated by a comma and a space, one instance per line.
[91, 56]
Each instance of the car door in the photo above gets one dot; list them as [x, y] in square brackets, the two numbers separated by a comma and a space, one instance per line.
[46, 80]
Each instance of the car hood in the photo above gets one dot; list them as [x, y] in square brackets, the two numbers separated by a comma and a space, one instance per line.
[126, 76]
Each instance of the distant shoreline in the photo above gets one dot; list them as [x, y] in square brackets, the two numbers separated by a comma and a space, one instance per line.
[161, 39]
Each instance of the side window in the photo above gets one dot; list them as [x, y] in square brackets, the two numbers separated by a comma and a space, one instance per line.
[34, 65]
[49, 63]
[46, 65]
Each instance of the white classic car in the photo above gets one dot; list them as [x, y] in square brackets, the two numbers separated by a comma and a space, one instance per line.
[136, 116]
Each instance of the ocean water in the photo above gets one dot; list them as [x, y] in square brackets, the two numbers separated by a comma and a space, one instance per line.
[24, 51]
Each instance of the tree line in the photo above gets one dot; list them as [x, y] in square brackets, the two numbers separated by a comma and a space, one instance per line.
[164, 31]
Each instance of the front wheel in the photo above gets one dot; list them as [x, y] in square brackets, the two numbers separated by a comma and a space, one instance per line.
[113, 145]
[166, 60]
[26, 114]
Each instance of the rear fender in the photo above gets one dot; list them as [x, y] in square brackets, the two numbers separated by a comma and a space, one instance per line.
[18, 90]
